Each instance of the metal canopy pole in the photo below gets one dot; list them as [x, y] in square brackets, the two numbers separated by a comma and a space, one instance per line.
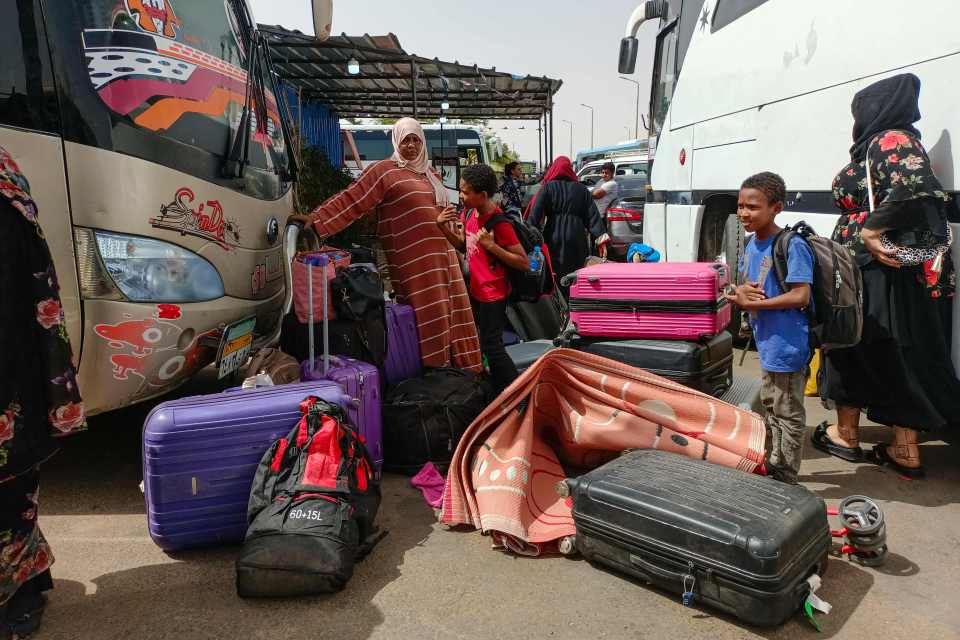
[413, 81]
[551, 133]
[540, 140]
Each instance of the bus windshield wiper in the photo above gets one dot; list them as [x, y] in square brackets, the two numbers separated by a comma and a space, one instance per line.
[238, 156]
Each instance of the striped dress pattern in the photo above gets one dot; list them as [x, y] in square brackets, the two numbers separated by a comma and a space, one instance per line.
[424, 267]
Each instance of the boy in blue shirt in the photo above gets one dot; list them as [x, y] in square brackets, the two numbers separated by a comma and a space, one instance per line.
[778, 319]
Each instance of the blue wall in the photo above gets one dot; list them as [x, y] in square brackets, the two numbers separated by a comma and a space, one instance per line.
[321, 127]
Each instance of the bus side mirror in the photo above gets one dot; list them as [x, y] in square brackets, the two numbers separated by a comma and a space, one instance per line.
[322, 18]
[628, 55]
[628, 46]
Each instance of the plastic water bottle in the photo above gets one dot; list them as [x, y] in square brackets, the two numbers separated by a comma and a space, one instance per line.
[536, 259]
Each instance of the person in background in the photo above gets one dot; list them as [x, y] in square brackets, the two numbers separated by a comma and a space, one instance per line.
[39, 399]
[571, 224]
[607, 191]
[779, 322]
[511, 190]
[492, 249]
[900, 374]
[407, 195]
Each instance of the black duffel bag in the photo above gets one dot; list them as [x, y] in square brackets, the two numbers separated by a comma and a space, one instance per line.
[424, 418]
[312, 509]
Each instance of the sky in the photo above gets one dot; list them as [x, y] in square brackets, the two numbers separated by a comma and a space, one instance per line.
[571, 40]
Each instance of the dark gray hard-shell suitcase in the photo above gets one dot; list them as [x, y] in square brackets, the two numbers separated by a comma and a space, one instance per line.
[740, 543]
[706, 366]
[524, 354]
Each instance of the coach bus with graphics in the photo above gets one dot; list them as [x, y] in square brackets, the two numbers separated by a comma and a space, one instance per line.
[161, 165]
[742, 86]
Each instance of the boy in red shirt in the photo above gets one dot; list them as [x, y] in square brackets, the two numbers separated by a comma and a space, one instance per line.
[491, 251]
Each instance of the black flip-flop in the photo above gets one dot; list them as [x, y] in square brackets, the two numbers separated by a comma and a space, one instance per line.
[822, 442]
[879, 456]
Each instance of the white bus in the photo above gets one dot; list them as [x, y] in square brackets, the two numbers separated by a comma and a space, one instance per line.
[742, 86]
[449, 149]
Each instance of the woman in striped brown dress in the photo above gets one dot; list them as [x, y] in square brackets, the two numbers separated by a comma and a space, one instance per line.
[407, 196]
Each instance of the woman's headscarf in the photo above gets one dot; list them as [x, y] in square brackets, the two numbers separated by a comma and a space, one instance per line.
[403, 128]
[892, 103]
[561, 169]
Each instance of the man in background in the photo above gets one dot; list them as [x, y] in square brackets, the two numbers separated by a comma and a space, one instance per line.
[607, 191]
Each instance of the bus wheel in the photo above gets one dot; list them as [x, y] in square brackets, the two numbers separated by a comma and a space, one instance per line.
[722, 240]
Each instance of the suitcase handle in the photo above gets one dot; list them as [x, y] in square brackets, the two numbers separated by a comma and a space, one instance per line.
[654, 570]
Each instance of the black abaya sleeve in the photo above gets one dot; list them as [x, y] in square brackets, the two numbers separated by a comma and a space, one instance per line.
[542, 206]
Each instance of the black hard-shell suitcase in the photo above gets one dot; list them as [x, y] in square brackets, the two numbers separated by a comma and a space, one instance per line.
[704, 366]
[524, 354]
[741, 543]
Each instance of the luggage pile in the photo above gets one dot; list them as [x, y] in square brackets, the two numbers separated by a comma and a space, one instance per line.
[348, 380]
[667, 318]
[290, 463]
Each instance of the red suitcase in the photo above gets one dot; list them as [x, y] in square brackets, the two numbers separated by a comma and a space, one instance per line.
[667, 300]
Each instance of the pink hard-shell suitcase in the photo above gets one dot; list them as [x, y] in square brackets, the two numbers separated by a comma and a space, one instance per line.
[665, 300]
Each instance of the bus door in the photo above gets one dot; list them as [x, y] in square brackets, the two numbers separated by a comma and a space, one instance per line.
[30, 130]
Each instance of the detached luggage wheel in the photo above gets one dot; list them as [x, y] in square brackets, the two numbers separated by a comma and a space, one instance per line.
[870, 558]
[861, 515]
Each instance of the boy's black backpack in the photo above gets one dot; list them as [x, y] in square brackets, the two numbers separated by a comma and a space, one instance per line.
[836, 313]
[526, 286]
[312, 508]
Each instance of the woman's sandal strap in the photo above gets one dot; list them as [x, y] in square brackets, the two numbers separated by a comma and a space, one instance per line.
[880, 456]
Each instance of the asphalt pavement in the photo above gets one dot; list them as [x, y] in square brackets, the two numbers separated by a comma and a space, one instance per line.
[424, 581]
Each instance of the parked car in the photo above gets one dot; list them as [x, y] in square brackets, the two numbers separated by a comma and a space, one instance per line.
[625, 214]
[634, 165]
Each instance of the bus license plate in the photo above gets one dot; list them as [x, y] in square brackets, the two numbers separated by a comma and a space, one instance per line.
[235, 347]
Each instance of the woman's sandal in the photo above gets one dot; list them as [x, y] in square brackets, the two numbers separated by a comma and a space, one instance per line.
[822, 441]
[880, 456]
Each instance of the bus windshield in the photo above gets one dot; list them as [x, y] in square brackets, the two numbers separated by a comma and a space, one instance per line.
[166, 80]
[672, 43]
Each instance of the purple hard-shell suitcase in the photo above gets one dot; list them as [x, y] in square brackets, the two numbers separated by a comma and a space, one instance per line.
[665, 300]
[361, 381]
[403, 345]
[200, 455]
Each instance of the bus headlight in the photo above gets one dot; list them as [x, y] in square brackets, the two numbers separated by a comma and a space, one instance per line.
[147, 270]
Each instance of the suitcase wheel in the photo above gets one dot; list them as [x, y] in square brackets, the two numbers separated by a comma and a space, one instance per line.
[568, 545]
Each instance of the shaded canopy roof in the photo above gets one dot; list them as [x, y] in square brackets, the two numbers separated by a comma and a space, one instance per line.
[393, 83]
